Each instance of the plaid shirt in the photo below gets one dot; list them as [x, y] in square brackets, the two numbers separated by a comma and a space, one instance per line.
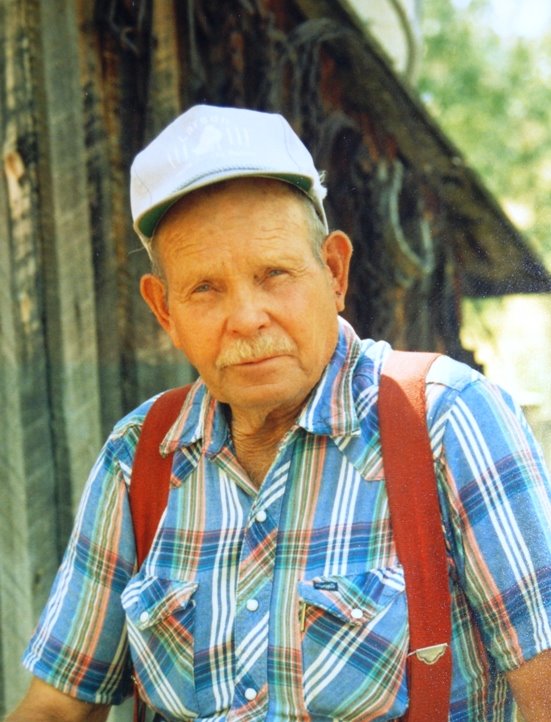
[288, 603]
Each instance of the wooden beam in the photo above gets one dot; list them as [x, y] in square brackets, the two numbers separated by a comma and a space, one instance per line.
[495, 249]
[66, 247]
[103, 236]
[28, 520]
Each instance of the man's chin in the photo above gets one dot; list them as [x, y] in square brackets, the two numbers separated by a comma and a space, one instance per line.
[265, 397]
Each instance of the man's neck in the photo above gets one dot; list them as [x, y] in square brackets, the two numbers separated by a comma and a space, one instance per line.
[256, 438]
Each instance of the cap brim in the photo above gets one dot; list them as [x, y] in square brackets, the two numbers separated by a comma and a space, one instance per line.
[146, 224]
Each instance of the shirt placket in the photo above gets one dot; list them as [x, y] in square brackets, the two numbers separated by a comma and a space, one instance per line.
[254, 594]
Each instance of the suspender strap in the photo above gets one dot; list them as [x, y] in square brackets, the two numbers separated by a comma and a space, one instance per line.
[150, 483]
[151, 472]
[417, 529]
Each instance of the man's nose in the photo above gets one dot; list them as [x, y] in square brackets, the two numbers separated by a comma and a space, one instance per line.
[247, 312]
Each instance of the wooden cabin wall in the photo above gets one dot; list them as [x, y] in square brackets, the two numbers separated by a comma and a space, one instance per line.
[48, 354]
[83, 85]
[77, 346]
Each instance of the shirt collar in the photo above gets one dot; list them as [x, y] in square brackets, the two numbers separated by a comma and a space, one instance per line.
[330, 409]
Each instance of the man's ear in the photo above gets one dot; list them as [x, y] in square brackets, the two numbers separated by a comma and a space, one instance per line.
[154, 293]
[336, 254]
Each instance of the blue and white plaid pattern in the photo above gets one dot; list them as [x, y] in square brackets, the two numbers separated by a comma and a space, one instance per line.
[288, 603]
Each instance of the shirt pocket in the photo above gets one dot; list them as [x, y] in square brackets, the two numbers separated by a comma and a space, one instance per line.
[354, 637]
[160, 615]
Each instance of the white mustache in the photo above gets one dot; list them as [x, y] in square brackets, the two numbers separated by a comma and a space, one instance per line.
[248, 351]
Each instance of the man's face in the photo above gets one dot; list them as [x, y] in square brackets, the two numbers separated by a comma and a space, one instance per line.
[246, 299]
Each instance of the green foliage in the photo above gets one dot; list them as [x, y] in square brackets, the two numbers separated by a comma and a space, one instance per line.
[491, 97]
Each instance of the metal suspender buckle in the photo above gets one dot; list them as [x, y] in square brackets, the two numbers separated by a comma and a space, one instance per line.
[430, 655]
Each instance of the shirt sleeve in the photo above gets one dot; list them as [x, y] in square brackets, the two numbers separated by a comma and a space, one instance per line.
[80, 645]
[500, 521]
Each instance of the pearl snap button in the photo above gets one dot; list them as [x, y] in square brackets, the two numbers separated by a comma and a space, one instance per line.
[252, 605]
[144, 617]
[261, 516]
[250, 693]
[357, 614]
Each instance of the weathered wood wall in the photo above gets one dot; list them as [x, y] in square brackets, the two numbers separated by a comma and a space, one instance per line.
[83, 85]
[76, 347]
[48, 343]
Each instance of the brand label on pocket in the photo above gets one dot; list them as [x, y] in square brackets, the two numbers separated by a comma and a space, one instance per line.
[327, 586]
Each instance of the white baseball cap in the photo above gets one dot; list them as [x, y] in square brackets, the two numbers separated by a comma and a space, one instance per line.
[208, 144]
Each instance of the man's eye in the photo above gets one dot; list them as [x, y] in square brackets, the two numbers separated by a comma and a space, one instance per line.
[202, 288]
[275, 272]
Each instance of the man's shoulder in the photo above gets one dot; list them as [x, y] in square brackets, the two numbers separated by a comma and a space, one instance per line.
[458, 391]
[133, 420]
[445, 371]
[452, 374]
[120, 446]
[447, 381]
[126, 432]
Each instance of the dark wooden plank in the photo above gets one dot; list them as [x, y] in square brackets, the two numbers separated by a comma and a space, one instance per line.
[66, 245]
[28, 520]
[100, 213]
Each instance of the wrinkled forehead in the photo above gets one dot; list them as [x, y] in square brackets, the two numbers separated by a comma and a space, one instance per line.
[245, 212]
[242, 197]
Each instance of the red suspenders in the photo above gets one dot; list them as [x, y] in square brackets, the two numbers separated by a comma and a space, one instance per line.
[414, 510]
[150, 483]
[417, 526]
[151, 472]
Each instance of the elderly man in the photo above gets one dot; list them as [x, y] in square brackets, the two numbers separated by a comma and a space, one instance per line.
[272, 590]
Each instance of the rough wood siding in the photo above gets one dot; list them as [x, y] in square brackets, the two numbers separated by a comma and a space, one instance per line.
[28, 509]
[99, 218]
[77, 346]
[64, 230]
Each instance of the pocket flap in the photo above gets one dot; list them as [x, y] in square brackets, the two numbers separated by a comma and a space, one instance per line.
[356, 598]
[147, 600]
